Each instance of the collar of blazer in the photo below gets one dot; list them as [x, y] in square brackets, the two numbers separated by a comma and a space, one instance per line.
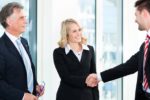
[68, 48]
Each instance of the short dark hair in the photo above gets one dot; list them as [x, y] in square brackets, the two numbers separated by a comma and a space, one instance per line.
[7, 10]
[143, 4]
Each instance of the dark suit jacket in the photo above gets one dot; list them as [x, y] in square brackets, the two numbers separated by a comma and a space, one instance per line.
[134, 64]
[13, 78]
[73, 75]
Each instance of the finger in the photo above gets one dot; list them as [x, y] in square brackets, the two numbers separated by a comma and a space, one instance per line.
[88, 78]
[93, 82]
[41, 93]
[90, 82]
[38, 88]
[35, 98]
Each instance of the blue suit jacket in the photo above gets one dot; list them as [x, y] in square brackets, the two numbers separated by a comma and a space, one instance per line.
[13, 78]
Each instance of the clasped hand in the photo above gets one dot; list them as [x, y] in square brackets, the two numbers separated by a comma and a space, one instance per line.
[92, 80]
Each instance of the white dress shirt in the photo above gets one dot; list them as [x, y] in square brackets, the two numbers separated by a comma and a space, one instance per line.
[77, 54]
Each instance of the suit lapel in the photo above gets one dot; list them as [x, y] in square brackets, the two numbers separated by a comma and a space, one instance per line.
[72, 56]
[11, 47]
[25, 45]
[84, 56]
[147, 67]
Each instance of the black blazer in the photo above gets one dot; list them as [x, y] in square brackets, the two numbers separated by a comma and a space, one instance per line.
[73, 75]
[13, 78]
[134, 64]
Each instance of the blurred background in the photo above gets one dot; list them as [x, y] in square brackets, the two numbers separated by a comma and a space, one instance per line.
[109, 26]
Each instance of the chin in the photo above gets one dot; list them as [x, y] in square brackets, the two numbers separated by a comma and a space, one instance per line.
[141, 29]
[23, 30]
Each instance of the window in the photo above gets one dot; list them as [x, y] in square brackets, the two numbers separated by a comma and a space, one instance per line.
[110, 42]
[87, 13]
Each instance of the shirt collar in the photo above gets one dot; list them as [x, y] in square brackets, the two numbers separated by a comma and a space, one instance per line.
[68, 48]
[148, 33]
[11, 37]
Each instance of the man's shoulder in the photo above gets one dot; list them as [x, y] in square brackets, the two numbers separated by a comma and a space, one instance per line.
[1, 41]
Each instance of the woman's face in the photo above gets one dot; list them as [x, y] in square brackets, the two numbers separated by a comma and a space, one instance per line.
[74, 33]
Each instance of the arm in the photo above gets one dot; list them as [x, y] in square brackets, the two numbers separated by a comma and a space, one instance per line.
[129, 67]
[94, 85]
[65, 75]
[7, 91]
[93, 65]
[92, 79]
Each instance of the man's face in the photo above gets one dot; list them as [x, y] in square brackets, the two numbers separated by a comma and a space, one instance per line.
[140, 20]
[17, 21]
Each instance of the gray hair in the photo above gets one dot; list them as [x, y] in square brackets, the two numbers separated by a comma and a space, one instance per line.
[7, 10]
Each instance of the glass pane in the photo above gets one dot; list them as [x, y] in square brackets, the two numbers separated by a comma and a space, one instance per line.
[87, 13]
[111, 46]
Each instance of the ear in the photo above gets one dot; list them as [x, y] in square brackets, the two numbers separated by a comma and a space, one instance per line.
[8, 21]
[145, 13]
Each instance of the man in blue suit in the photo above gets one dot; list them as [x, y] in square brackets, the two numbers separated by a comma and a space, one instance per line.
[17, 72]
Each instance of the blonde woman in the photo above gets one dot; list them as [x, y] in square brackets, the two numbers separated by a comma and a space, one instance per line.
[74, 61]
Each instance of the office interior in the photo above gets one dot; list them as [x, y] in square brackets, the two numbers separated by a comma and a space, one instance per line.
[109, 26]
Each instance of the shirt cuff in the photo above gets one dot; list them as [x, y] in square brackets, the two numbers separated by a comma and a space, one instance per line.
[99, 77]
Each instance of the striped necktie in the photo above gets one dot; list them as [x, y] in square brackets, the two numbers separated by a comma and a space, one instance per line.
[145, 81]
[27, 64]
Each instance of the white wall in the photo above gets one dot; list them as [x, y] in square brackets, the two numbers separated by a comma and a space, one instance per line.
[132, 39]
[46, 42]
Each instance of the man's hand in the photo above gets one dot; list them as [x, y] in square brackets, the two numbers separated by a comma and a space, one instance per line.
[92, 80]
[28, 96]
[39, 90]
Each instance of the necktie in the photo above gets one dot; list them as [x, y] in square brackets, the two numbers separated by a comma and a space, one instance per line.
[27, 64]
[145, 82]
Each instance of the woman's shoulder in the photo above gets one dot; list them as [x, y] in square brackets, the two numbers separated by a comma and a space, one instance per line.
[90, 47]
[59, 50]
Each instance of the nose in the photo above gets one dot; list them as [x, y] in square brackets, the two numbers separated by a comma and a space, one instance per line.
[79, 32]
[25, 21]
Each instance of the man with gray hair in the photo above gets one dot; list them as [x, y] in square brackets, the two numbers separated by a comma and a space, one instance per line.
[17, 72]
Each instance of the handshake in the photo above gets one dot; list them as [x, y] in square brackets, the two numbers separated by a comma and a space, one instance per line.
[92, 80]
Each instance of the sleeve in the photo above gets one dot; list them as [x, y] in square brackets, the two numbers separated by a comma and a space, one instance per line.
[93, 64]
[65, 75]
[95, 90]
[129, 67]
[7, 91]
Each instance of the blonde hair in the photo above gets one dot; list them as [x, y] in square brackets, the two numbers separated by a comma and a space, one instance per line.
[64, 32]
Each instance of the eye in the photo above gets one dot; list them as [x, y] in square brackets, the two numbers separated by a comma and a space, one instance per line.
[80, 29]
[74, 31]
